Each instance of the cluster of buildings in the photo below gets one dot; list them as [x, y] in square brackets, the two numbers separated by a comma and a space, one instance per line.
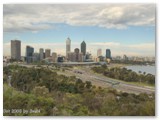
[134, 58]
[30, 55]
[78, 55]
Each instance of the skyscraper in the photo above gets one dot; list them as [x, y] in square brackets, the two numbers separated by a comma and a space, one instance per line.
[108, 53]
[16, 49]
[99, 52]
[54, 57]
[41, 52]
[76, 50]
[29, 53]
[68, 46]
[47, 53]
[83, 48]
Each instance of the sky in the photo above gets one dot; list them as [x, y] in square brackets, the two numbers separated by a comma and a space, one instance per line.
[123, 28]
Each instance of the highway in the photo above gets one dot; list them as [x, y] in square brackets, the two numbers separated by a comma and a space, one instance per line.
[100, 80]
[86, 74]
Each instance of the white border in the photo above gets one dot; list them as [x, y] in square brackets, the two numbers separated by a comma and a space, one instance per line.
[79, 1]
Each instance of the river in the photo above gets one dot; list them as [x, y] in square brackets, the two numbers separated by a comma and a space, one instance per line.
[142, 68]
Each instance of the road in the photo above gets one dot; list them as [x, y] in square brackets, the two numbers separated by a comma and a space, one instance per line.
[100, 80]
[86, 74]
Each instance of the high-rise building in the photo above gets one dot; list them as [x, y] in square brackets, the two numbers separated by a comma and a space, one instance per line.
[99, 52]
[76, 51]
[68, 46]
[36, 57]
[83, 48]
[47, 53]
[41, 53]
[108, 53]
[16, 49]
[29, 54]
[54, 57]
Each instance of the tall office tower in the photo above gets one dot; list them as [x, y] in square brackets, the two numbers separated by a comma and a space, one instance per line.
[83, 48]
[54, 57]
[68, 46]
[41, 53]
[29, 53]
[76, 50]
[99, 52]
[108, 53]
[47, 53]
[16, 49]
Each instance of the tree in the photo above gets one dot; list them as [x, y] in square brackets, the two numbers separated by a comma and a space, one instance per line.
[88, 84]
[41, 91]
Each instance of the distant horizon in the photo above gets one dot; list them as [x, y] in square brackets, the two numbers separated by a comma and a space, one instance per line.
[38, 46]
[123, 28]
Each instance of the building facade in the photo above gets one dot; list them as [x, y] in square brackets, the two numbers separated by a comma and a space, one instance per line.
[108, 53]
[83, 48]
[47, 53]
[54, 57]
[76, 51]
[29, 54]
[16, 49]
[75, 56]
[41, 53]
[68, 46]
[36, 57]
[71, 57]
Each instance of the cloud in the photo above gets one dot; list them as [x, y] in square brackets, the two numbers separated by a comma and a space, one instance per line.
[117, 49]
[36, 17]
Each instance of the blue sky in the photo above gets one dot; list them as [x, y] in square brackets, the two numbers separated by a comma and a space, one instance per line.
[132, 35]
[124, 28]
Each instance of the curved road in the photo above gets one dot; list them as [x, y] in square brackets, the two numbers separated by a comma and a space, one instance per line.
[100, 80]
[86, 74]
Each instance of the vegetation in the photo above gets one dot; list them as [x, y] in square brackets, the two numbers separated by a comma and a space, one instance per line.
[125, 75]
[53, 94]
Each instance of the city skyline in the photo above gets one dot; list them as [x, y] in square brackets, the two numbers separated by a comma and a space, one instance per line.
[108, 26]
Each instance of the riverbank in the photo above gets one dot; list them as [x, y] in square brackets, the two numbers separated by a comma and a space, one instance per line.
[137, 68]
[118, 65]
